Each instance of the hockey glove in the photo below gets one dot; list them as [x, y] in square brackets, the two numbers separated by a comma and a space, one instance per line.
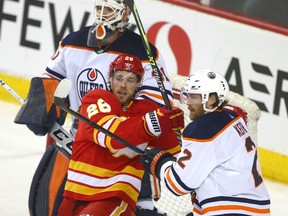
[38, 112]
[162, 121]
[153, 159]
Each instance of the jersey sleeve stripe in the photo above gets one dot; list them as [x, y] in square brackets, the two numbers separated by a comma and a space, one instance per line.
[174, 150]
[234, 199]
[98, 171]
[159, 97]
[232, 204]
[54, 73]
[99, 137]
[125, 187]
[172, 185]
[146, 88]
[155, 97]
[178, 180]
[234, 208]
[112, 129]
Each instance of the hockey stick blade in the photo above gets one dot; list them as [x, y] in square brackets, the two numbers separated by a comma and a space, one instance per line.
[62, 92]
[57, 132]
[60, 95]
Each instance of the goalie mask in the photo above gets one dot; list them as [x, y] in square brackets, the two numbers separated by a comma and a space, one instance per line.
[205, 82]
[110, 16]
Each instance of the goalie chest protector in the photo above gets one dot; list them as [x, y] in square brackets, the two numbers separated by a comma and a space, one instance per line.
[48, 182]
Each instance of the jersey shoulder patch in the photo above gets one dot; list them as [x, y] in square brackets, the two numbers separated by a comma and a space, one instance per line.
[100, 97]
[208, 125]
[77, 38]
[135, 48]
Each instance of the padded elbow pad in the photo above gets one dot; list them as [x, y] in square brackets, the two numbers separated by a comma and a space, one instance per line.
[38, 112]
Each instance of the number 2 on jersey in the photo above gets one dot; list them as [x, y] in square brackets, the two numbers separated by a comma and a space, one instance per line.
[187, 156]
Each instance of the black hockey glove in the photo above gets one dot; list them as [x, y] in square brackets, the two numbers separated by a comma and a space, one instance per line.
[154, 158]
[38, 112]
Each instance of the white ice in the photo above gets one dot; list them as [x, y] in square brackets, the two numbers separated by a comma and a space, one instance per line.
[21, 151]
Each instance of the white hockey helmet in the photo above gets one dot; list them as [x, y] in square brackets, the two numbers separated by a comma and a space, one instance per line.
[116, 18]
[204, 82]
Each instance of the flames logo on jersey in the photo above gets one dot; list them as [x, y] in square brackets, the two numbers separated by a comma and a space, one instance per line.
[88, 80]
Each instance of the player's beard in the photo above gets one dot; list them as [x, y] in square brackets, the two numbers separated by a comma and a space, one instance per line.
[195, 112]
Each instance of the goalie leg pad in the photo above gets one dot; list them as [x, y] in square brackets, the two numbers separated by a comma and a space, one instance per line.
[47, 187]
[39, 112]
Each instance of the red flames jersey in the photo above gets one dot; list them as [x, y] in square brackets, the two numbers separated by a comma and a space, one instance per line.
[102, 167]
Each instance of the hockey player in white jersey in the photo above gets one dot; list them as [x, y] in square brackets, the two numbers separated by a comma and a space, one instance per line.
[84, 57]
[218, 162]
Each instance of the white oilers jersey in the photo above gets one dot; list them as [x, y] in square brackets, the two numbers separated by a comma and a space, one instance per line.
[218, 161]
[87, 66]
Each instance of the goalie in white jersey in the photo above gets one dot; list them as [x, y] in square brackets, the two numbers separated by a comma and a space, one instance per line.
[218, 163]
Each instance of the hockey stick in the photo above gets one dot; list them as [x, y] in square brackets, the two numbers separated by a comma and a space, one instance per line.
[131, 4]
[60, 96]
[156, 71]
[11, 91]
[57, 132]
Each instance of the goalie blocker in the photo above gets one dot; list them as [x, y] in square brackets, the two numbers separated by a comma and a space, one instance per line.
[38, 112]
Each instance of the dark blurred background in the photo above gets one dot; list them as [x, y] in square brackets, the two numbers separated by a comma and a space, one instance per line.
[273, 11]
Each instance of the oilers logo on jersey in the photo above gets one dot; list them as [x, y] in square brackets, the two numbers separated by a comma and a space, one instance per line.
[88, 80]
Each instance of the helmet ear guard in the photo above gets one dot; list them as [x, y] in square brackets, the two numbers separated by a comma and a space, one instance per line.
[205, 82]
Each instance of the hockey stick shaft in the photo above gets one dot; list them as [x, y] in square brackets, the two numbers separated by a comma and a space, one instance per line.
[155, 68]
[131, 4]
[11, 91]
[57, 132]
[60, 95]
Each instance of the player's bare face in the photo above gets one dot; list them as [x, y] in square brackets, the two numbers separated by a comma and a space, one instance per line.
[124, 85]
[194, 104]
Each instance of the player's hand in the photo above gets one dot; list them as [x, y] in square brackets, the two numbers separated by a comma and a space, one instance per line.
[163, 121]
[153, 159]
[176, 116]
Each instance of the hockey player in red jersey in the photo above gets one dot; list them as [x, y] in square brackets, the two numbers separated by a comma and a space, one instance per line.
[84, 57]
[218, 160]
[104, 176]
